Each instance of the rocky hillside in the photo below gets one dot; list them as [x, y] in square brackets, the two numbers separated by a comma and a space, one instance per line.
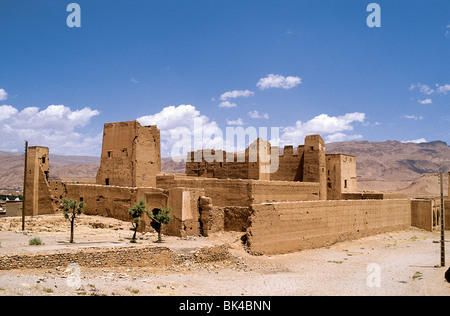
[395, 161]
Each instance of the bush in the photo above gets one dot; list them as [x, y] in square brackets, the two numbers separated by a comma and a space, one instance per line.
[35, 241]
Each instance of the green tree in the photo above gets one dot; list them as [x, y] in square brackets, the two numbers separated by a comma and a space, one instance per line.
[71, 209]
[159, 218]
[136, 213]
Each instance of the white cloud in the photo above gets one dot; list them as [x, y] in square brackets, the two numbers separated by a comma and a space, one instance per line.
[184, 129]
[425, 101]
[3, 95]
[236, 94]
[332, 128]
[425, 89]
[413, 117]
[278, 81]
[54, 127]
[227, 104]
[238, 122]
[6, 111]
[443, 89]
[422, 87]
[416, 141]
[255, 115]
[133, 80]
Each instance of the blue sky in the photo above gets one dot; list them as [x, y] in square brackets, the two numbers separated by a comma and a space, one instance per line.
[302, 66]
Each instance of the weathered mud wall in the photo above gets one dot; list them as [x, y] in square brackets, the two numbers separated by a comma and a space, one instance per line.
[227, 192]
[288, 227]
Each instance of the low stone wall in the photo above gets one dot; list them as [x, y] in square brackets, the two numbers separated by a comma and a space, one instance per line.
[144, 256]
[132, 257]
[289, 227]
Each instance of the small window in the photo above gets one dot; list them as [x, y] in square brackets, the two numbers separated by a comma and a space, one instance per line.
[107, 181]
[43, 160]
[81, 199]
[109, 154]
[345, 184]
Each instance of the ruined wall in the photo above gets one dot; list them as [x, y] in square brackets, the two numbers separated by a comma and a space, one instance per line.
[38, 200]
[288, 227]
[131, 155]
[230, 192]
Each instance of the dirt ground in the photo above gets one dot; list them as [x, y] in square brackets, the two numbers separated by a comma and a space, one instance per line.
[401, 263]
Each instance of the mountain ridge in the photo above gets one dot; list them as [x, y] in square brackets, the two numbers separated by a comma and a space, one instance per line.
[379, 164]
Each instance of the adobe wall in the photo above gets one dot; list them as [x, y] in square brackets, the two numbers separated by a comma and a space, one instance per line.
[232, 192]
[131, 155]
[38, 198]
[290, 165]
[341, 175]
[115, 202]
[315, 165]
[422, 214]
[289, 227]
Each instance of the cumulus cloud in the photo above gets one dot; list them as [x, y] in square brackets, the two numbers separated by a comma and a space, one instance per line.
[183, 129]
[425, 101]
[236, 94]
[54, 127]
[416, 141]
[278, 81]
[255, 115]
[3, 95]
[332, 128]
[227, 104]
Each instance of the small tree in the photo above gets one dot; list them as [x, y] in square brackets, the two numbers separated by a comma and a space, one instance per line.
[159, 218]
[136, 213]
[71, 209]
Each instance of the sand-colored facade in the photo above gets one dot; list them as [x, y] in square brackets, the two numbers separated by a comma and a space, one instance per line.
[309, 199]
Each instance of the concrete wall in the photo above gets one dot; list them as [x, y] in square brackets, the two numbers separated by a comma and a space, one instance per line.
[288, 227]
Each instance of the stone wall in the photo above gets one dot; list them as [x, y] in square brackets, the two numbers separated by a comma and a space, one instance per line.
[289, 227]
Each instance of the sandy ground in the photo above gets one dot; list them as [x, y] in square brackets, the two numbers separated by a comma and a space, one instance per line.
[401, 263]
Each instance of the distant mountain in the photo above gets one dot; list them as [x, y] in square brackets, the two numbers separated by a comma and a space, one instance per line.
[395, 161]
[382, 166]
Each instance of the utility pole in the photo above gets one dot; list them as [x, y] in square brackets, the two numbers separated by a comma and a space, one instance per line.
[24, 185]
[441, 178]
